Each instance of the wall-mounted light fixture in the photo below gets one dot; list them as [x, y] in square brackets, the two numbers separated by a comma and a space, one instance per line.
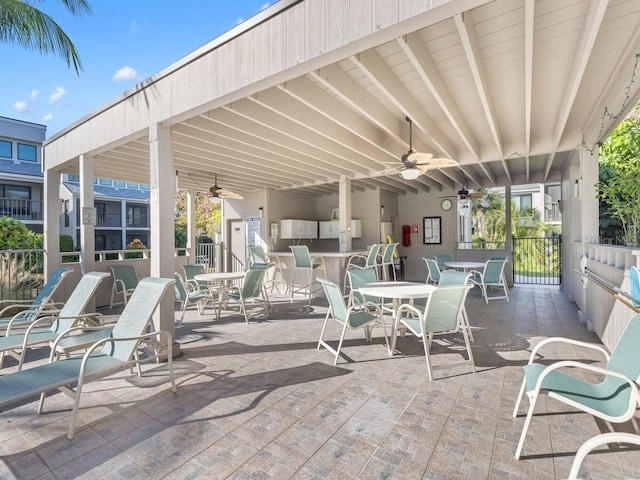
[382, 210]
[260, 211]
[576, 188]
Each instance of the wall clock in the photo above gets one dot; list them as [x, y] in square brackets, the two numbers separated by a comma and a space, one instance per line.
[446, 204]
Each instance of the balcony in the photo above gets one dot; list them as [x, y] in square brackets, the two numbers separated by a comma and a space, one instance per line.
[23, 210]
[138, 221]
[109, 220]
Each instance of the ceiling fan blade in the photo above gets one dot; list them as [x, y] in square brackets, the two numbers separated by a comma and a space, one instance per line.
[441, 162]
[229, 194]
[424, 167]
[416, 157]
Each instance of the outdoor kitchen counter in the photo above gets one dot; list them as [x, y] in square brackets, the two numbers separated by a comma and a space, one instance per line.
[334, 261]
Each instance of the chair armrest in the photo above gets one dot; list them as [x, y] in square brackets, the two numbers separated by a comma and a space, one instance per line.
[570, 341]
[101, 342]
[634, 399]
[411, 308]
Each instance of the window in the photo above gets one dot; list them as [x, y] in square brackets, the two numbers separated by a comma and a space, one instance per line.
[74, 178]
[15, 201]
[105, 181]
[522, 202]
[132, 185]
[6, 149]
[118, 183]
[27, 152]
[144, 187]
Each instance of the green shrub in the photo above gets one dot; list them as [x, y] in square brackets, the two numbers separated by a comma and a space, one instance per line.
[66, 243]
[14, 235]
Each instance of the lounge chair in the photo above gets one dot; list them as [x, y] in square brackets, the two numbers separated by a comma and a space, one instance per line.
[103, 358]
[32, 309]
[17, 345]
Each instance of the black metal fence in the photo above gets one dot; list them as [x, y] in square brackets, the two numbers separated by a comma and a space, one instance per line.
[537, 260]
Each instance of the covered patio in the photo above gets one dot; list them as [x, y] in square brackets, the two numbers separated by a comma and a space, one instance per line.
[261, 401]
[303, 108]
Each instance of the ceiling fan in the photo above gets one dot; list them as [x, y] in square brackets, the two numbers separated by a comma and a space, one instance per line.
[414, 164]
[217, 193]
[463, 195]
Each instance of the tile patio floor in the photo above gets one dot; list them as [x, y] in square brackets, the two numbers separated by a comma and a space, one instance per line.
[260, 401]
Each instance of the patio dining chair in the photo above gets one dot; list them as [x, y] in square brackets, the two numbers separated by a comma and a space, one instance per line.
[125, 281]
[441, 316]
[251, 291]
[106, 356]
[29, 310]
[186, 296]
[17, 345]
[598, 441]
[608, 393]
[260, 259]
[455, 277]
[492, 276]
[303, 261]
[359, 277]
[349, 317]
[433, 272]
[442, 259]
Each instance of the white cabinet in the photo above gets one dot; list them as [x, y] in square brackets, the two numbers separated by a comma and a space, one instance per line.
[356, 228]
[331, 229]
[295, 229]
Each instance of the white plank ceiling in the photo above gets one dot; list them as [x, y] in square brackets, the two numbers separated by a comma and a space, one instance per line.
[507, 88]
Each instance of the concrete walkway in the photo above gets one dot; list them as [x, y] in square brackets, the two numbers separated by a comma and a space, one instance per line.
[260, 401]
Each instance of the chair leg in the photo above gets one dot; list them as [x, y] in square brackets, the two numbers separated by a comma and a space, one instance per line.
[324, 326]
[293, 282]
[466, 324]
[344, 329]
[532, 405]
[469, 352]
[426, 345]
[520, 395]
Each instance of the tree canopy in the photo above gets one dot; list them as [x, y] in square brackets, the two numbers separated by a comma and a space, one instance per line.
[23, 24]
[619, 187]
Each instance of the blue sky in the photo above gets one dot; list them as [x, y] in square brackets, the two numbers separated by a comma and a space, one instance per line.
[120, 44]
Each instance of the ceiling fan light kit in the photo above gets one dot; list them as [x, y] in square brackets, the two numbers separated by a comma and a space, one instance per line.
[415, 163]
[410, 173]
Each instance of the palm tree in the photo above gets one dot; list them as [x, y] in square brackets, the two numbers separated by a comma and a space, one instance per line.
[23, 24]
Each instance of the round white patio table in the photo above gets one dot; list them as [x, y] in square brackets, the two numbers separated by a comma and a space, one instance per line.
[397, 291]
[219, 282]
[464, 265]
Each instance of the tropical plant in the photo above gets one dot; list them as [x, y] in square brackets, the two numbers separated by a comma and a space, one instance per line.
[618, 188]
[208, 217]
[23, 24]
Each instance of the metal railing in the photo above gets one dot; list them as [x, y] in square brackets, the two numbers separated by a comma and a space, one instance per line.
[104, 219]
[537, 260]
[138, 221]
[21, 274]
[21, 209]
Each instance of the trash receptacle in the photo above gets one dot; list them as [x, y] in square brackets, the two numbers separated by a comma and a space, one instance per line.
[398, 264]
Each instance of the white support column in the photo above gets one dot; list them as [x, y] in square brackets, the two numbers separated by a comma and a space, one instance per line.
[589, 218]
[191, 225]
[87, 231]
[123, 223]
[344, 206]
[163, 189]
[52, 220]
[508, 232]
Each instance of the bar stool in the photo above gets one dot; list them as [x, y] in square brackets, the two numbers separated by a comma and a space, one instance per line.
[260, 259]
[370, 260]
[386, 260]
[302, 260]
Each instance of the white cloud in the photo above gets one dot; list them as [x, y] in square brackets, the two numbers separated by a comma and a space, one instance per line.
[125, 73]
[20, 106]
[34, 95]
[47, 117]
[136, 27]
[265, 5]
[57, 94]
